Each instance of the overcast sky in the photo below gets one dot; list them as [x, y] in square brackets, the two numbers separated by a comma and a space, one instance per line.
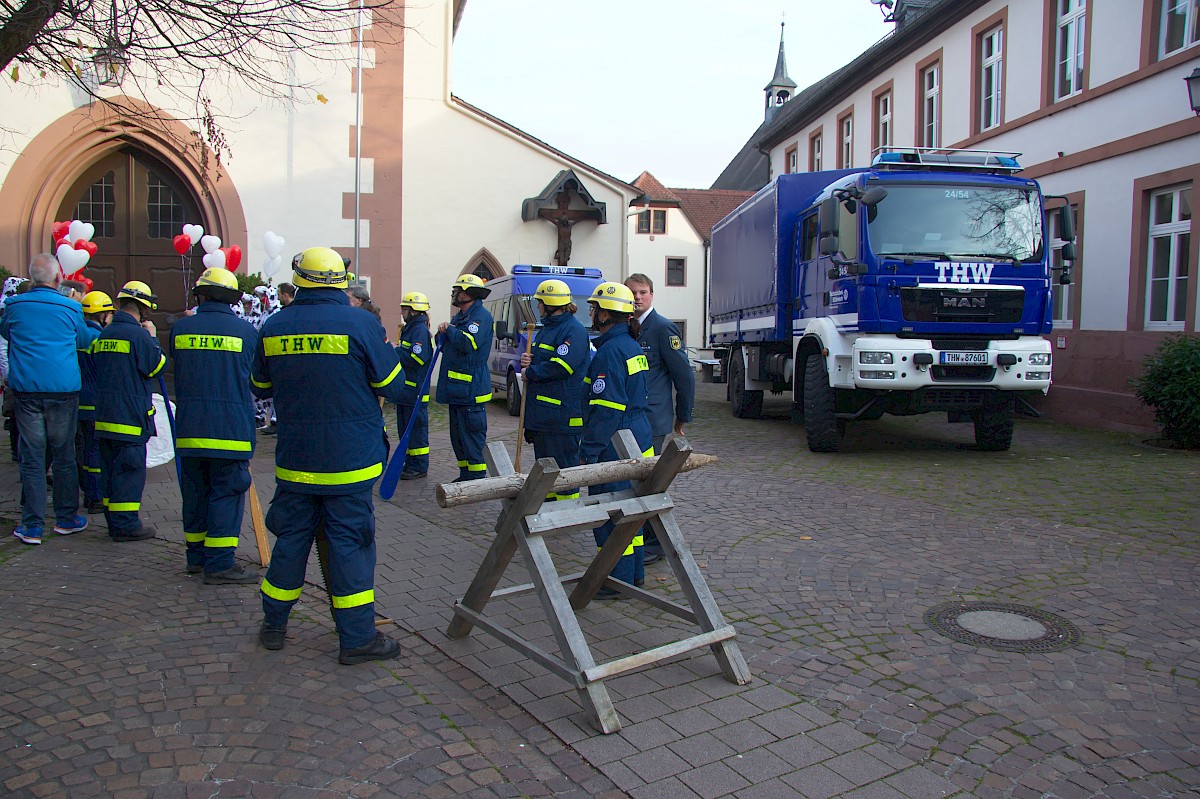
[674, 87]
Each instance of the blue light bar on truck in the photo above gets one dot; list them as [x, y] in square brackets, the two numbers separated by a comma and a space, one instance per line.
[537, 269]
[916, 157]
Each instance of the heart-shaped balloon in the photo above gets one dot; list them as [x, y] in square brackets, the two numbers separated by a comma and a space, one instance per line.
[193, 232]
[76, 275]
[87, 281]
[271, 266]
[61, 241]
[273, 244]
[214, 260]
[59, 230]
[233, 256]
[90, 246]
[81, 230]
[70, 259]
[182, 243]
[210, 243]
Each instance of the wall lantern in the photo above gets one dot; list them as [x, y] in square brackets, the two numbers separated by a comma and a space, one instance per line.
[1193, 84]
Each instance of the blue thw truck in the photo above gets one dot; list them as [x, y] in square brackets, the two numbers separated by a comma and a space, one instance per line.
[921, 283]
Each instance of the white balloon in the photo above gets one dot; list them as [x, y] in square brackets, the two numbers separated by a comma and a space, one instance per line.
[70, 259]
[210, 243]
[273, 244]
[80, 230]
[271, 266]
[214, 259]
[193, 232]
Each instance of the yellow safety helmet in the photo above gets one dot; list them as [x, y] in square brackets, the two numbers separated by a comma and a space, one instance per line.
[613, 297]
[97, 302]
[473, 285]
[320, 268]
[137, 290]
[553, 292]
[219, 285]
[415, 300]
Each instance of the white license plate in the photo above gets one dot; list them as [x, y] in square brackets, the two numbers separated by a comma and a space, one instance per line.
[964, 358]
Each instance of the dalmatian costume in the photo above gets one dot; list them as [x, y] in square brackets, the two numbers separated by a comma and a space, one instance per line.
[266, 303]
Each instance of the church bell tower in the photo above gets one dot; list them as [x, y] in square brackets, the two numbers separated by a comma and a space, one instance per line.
[781, 88]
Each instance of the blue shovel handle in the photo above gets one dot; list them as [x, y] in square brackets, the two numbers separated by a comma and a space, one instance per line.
[391, 475]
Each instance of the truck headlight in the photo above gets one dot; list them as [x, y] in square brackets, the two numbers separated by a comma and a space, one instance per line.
[876, 374]
[1039, 359]
[1037, 375]
[875, 357]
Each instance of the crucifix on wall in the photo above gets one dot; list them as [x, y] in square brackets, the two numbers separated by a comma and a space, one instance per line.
[563, 219]
[564, 203]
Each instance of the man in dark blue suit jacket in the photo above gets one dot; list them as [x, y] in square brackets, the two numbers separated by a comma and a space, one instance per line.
[672, 385]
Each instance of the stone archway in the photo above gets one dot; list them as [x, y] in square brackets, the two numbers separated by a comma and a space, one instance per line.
[485, 265]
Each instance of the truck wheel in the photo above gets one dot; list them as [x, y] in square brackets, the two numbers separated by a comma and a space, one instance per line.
[820, 424]
[513, 403]
[744, 404]
[994, 427]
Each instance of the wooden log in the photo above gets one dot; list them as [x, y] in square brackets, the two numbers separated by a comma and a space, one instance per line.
[451, 495]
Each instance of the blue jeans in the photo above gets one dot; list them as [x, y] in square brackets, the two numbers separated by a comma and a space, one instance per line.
[47, 423]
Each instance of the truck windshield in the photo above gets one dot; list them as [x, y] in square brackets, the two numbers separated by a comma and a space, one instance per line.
[957, 222]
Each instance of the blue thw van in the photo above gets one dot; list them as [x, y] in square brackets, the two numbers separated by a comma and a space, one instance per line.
[513, 308]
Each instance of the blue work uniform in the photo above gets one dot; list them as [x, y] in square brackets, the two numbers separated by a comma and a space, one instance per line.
[415, 351]
[87, 446]
[214, 429]
[615, 399]
[553, 385]
[465, 384]
[325, 364]
[126, 358]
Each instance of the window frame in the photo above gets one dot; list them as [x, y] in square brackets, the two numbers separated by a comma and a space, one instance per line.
[1139, 274]
[816, 150]
[932, 62]
[1172, 231]
[667, 271]
[996, 64]
[650, 215]
[1081, 17]
[791, 159]
[879, 136]
[845, 142]
[1160, 29]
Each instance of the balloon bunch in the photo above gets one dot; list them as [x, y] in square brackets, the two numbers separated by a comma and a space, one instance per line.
[215, 256]
[273, 244]
[74, 248]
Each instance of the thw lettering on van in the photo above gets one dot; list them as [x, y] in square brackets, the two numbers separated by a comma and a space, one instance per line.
[964, 272]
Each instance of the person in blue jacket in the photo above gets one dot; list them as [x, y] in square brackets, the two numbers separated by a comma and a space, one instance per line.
[214, 426]
[44, 330]
[615, 399]
[127, 356]
[98, 309]
[672, 383]
[464, 382]
[415, 350]
[553, 373]
[326, 365]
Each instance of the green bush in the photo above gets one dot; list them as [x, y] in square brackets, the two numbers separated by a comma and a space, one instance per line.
[4, 273]
[1170, 385]
[247, 283]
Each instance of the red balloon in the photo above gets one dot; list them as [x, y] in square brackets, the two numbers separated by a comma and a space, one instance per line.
[233, 257]
[78, 274]
[59, 231]
[87, 281]
[182, 242]
[83, 244]
[61, 241]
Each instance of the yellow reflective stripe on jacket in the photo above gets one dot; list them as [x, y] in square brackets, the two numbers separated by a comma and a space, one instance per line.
[639, 540]
[637, 364]
[576, 421]
[614, 405]
[416, 358]
[115, 427]
[123, 507]
[563, 364]
[551, 400]
[91, 470]
[453, 375]
[483, 398]
[162, 361]
[220, 543]
[87, 407]
[387, 379]
[544, 346]
[260, 384]
[329, 478]
[649, 453]
[213, 443]
[410, 383]
[194, 538]
[353, 600]
[311, 344]
[425, 398]
[417, 451]
[193, 341]
[282, 594]
[587, 380]
[110, 345]
[628, 549]
[473, 344]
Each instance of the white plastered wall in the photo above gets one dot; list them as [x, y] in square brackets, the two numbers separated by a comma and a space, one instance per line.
[648, 255]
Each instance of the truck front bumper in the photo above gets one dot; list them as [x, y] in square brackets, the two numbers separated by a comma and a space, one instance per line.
[904, 364]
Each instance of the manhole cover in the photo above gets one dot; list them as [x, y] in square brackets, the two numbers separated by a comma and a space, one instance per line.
[998, 625]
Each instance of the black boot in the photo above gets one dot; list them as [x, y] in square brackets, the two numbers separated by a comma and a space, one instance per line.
[272, 637]
[382, 648]
[234, 575]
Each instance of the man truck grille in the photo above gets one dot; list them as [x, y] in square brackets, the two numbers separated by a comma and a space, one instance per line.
[929, 304]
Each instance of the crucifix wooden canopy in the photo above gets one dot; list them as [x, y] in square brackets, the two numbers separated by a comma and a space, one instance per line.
[565, 202]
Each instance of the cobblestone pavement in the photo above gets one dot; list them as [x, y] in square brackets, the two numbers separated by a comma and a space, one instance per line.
[127, 678]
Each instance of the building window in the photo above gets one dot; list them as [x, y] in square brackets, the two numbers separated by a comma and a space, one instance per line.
[98, 206]
[991, 78]
[931, 106]
[883, 120]
[652, 221]
[682, 325]
[845, 158]
[165, 212]
[1061, 311]
[1178, 26]
[1167, 258]
[791, 160]
[676, 271]
[1069, 46]
[814, 153]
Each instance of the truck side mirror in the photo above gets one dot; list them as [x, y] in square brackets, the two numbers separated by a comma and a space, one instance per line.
[829, 244]
[1068, 251]
[1066, 224]
[828, 224]
[873, 196]
[501, 329]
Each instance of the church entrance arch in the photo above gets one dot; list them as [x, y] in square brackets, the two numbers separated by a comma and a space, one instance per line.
[484, 265]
